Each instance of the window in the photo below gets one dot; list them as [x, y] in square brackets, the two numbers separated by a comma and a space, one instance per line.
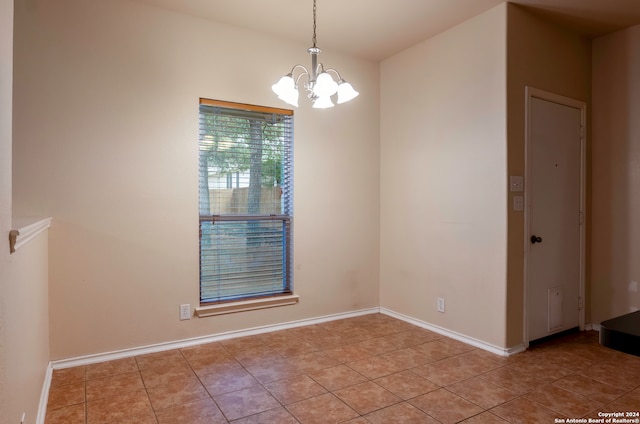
[246, 201]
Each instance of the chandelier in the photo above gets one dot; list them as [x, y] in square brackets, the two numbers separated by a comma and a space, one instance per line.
[320, 85]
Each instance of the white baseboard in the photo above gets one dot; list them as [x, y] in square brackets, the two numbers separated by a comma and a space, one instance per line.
[514, 349]
[44, 395]
[161, 347]
[454, 335]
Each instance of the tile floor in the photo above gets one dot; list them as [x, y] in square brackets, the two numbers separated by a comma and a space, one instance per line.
[368, 369]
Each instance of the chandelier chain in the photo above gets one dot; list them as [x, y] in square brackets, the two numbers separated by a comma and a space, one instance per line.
[314, 24]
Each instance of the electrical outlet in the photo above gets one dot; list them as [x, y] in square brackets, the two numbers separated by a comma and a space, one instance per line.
[440, 307]
[185, 311]
[518, 203]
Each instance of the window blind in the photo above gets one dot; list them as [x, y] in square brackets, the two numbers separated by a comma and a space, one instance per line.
[246, 201]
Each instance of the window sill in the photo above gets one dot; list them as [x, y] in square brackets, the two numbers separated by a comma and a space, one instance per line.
[25, 230]
[246, 305]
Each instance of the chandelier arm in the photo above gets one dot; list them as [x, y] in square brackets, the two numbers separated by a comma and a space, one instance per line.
[334, 71]
[298, 66]
[303, 73]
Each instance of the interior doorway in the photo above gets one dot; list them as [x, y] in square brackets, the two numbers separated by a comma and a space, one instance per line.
[554, 214]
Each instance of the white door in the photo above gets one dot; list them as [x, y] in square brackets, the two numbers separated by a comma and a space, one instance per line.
[555, 217]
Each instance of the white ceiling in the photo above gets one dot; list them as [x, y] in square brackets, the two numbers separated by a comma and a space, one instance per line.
[376, 29]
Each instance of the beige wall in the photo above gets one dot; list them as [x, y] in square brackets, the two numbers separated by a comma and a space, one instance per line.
[546, 57]
[27, 314]
[616, 175]
[443, 179]
[6, 68]
[24, 321]
[106, 143]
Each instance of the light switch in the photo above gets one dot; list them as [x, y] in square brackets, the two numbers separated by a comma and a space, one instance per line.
[516, 183]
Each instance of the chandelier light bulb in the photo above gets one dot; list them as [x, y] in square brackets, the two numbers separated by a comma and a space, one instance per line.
[290, 97]
[284, 86]
[323, 102]
[325, 85]
[346, 92]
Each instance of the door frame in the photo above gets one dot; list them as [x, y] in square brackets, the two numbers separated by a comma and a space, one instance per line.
[531, 93]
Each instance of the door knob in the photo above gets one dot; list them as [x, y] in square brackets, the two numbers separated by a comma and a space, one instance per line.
[536, 239]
